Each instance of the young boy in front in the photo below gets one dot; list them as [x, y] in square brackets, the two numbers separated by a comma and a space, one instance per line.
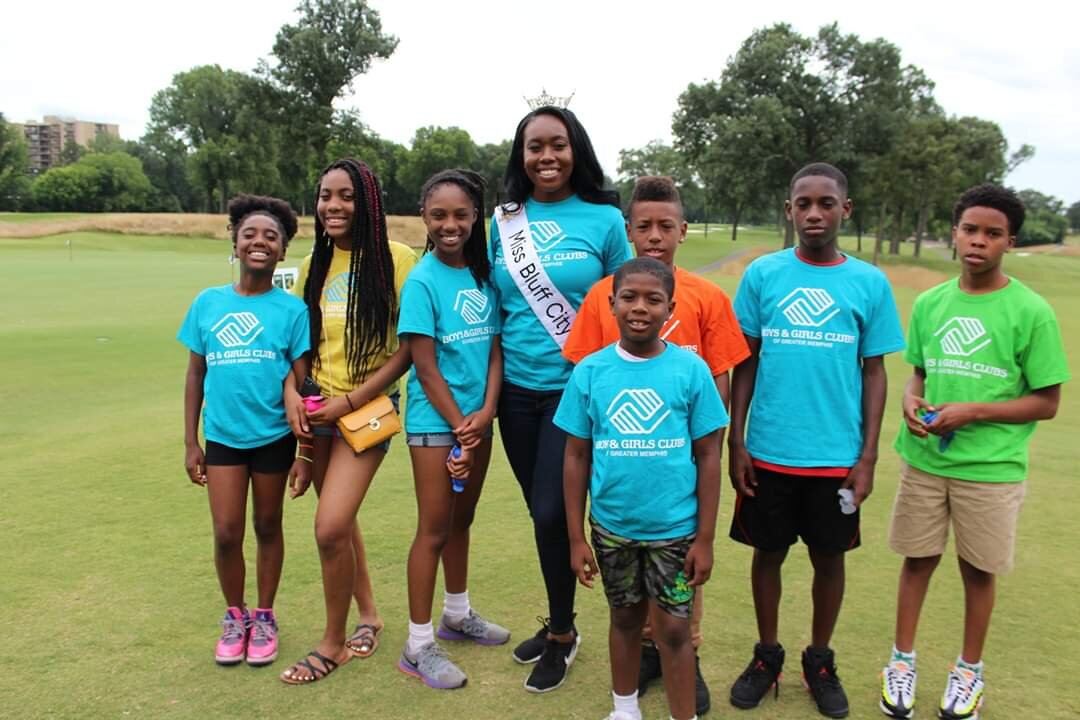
[703, 321]
[644, 421]
[819, 324]
[988, 363]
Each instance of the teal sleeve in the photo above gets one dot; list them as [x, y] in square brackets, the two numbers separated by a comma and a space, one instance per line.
[572, 414]
[189, 333]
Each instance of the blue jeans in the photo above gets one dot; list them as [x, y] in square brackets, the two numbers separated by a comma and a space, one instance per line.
[534, 447]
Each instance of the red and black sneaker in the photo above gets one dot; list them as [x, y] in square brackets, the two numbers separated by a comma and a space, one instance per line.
[761, 675]
[820, 678]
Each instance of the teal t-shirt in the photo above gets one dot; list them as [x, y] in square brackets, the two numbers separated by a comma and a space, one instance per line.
[444, 303]
[990, 347]
[816, 323]
[578, 243]
[642, 417]
[250, 343]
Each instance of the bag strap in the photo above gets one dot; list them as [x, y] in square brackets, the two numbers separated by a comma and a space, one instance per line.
[548, 304]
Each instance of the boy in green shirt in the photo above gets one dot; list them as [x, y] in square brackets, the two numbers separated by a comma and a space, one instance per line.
[988, 363]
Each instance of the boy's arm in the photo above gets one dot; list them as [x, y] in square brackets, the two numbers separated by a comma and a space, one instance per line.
[723, 386]
[915, 400]
[194, 460]
[471, 431]
[740, 467]
[699, 559]
[1041, 404]
[576, 463]
[874, 389]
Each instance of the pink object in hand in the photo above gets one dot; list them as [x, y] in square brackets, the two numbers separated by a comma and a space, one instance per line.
[313, 402]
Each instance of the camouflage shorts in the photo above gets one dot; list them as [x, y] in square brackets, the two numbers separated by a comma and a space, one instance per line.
[633, 570]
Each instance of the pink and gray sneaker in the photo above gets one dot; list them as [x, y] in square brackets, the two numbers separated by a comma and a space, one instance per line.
[232, 645]
[262, 638]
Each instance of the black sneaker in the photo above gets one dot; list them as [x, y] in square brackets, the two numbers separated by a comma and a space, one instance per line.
[530, 650]
[820, 678]
[550, 671]
[761, 675]
[650, 667]
[702, 701]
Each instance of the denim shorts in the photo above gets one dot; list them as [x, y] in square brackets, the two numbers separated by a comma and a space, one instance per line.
[436, 439]
[332, 430]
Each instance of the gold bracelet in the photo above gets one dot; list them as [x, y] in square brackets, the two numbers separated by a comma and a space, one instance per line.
[305, 458]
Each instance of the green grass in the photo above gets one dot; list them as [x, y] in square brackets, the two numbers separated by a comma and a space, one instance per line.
[109, 601]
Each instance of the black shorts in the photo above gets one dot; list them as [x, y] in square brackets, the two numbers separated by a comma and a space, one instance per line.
[275, 457]
[787, 507]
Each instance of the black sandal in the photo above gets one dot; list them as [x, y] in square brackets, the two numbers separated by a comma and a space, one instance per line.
[317, 674]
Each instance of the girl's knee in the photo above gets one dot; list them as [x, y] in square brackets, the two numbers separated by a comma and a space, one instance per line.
[267, 528]
[228, 537]
[432, 540]
[332, 537]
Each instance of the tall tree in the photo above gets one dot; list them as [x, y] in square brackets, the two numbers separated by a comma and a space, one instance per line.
[1073, 213]
[831, 97]
[491, 159]
[318, 57]
[434, 149]
[14, 167]
[219, 116]
[659, 158]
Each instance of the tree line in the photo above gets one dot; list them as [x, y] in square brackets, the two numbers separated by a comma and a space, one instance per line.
[783, 99]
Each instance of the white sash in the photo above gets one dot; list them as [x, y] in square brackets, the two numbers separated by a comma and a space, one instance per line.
[549, 305]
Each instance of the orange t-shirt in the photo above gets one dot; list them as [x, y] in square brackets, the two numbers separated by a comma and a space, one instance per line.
[704, 322]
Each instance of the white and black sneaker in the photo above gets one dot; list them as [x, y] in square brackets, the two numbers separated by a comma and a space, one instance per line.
[530, 649]
[550, 671]
[898, 689]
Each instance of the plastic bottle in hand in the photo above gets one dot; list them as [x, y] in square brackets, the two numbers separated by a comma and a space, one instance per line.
[312, 395]
[457, 484]
[943, 442]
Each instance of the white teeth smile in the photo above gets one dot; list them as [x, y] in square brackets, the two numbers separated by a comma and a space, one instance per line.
[258, 255]
[548, 173]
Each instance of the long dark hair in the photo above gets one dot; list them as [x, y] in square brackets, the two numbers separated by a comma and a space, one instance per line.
[475, 249]
[372, 301]
[587, 178]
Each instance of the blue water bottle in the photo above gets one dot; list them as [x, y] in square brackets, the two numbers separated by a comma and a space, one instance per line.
[943, 442]
[457, 484]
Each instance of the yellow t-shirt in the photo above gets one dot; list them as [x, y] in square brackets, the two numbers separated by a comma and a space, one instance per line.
[332, 370]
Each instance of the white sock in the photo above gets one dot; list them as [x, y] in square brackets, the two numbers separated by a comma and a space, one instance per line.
[976, 668]
[627, 704]
[456, 605]
[909, 658]
[420, 634]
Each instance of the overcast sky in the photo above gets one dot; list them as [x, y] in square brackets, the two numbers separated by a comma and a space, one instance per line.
[468, 63]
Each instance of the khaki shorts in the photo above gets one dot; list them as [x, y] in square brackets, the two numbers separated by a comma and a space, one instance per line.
[983, 517]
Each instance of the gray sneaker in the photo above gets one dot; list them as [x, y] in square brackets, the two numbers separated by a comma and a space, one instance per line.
[433, 667]
[475, 628]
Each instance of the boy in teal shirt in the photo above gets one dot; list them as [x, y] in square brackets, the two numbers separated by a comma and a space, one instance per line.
[988, 363]
[644, 420]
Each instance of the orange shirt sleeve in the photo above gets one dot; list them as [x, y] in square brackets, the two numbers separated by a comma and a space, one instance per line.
[587, 334]
[722, 343]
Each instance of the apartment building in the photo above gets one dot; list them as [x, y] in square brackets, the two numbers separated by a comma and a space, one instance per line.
[46, 139]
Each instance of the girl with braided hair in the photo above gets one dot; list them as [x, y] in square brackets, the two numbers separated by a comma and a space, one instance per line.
[351, 284]
[450, 318]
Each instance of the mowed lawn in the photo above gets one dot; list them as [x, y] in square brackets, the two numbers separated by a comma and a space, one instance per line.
[109, 603]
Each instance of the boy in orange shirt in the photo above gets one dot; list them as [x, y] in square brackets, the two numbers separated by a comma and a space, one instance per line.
[703, 321]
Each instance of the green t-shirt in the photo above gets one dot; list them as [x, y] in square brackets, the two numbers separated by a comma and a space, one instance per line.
[981, 348]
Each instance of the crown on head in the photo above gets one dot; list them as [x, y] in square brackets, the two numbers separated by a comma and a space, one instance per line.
[544, 99]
